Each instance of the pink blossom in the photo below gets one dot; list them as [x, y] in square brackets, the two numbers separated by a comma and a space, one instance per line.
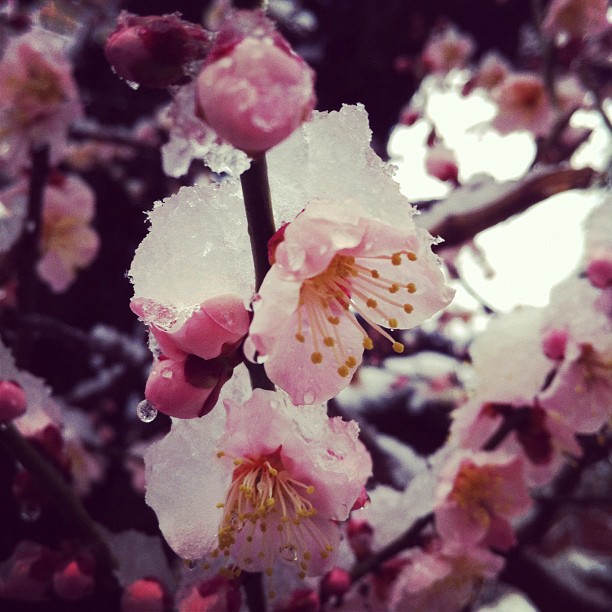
[439, 578]
[336, 259]
[543, 438]
[13, 401]
[275, 481]
[441, 162]
[447, 50]
[253, 90]
[576, 18]
[198, 353]
[598, 245]
[38, 99]
[477, 495]
[155, 51]
[581, 388]
[68, 241]
[523, 104]
[554, 343]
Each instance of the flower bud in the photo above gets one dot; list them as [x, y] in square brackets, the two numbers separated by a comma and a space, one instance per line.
[254, 91]
[155, 51]
[12, 401]
[335, 583]
[75, 580]
[145, 595]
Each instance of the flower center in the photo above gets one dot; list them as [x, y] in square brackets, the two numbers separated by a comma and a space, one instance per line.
[268, 513]
[346, 283]
[477, 490]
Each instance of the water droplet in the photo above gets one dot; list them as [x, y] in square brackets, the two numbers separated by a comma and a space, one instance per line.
[190, 564]
[323, 249]
[309, 397]
[236, 523]
[146, 411]
[167, 374]
[30, 512]
[132, 84]
[261, 358]
[288, 552]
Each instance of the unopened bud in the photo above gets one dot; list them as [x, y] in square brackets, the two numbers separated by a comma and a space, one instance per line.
[155, 51]
[12, 401]
[254, 91]
[335, 583]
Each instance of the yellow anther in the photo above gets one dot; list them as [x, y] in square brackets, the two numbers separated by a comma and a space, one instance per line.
[299, 337]
[328, 341]
[411, 287]
[394, 288]
[343, 371]
[374, 273]
[333, 320]
[273, 471]
[329, 548]
[220, 505]
[368, 344]
[206, 566]
[220, 454]
[408, 308]
[351, 362]
[411, 256]
[303, 565]
[249, 538]
[392, 322]
[270, 502]
[269, 571]
[396, 259]
[371, 303]
[324, 554]
[310, 490]
[316, 357]
[302, 575]
[307, 556]
[398, 347]
[238, 461]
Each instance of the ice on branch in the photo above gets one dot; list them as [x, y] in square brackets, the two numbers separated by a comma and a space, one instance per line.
[262, 484]
[38, 99]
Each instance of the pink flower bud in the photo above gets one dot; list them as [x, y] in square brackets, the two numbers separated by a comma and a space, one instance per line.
[441, 162]
[155, 51]
[335, 583]
[187, 389]
[145, 595]
[75, 580]
[360, 535]
[254, 91]
[12, 401]
[599, 272]
[554, 343]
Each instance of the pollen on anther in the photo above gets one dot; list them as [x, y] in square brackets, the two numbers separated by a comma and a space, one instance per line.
[396, 259]
[343, 371]
[411, 287]
[316, 357]
[408, 308]
[371, 303]
[411, 256]
[398, 347]
[237, 461]
[220, 505]
[368, 343]
[334, 320]
[392, 322]
[374, 273]
[351, 362]
[328, 341]
[299, 337]
[310, 490]
[220, 454]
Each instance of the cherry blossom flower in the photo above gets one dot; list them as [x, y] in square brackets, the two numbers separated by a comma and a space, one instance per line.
[273, 481]
[38, 99]
[439, 578]
[523, 104]
[598, 245]
[447, 50]
[336, 260]
[253, 90]
[575, 18]
[477, 495]
[492, 71]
